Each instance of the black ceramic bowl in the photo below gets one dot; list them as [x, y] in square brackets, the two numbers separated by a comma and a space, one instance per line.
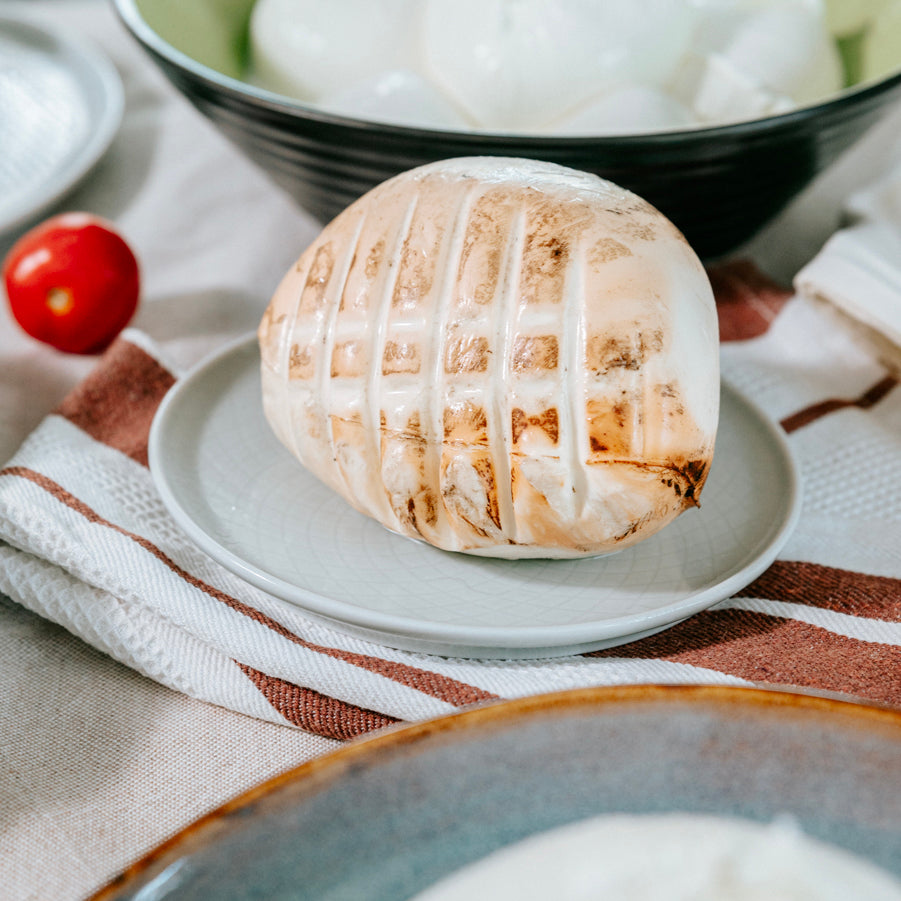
[720, 185]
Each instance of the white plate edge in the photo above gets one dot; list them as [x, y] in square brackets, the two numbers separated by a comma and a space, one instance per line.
[95, 61]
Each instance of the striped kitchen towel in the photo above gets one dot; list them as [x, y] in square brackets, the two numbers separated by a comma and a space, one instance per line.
[86, 542]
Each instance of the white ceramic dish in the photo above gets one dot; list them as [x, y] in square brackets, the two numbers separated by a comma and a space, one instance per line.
[61, 104]
[248, 503]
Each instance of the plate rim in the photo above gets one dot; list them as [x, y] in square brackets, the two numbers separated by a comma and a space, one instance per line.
[97, 77]
[454, 639]
[322, 772]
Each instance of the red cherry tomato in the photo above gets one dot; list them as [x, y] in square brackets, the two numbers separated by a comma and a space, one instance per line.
[72, 282]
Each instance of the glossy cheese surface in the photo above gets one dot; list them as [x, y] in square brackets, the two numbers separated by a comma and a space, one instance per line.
[499, 356]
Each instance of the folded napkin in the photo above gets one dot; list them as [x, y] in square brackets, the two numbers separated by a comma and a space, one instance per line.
[858, 271]
[86, 542]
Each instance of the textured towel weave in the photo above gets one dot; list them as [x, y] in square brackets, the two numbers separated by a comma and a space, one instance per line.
[87, 543]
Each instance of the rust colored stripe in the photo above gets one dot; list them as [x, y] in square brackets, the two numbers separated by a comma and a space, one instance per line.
[315, 712]
[747, 300]
[115, 404]
[869, 398]
[840, 590]
[764, 648]
[432, 684]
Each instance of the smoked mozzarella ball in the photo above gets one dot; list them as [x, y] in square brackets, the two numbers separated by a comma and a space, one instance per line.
[501, 357]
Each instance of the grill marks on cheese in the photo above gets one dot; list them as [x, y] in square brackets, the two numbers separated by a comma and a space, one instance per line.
[410, 429]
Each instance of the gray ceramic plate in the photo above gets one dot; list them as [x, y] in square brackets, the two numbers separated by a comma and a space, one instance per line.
[61, 103]
[388, 816]
[245, 500]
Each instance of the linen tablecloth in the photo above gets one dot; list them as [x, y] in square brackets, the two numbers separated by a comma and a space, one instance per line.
[200, 686]
[99, 763]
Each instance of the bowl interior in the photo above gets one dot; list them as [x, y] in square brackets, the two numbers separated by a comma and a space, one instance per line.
[214, 33]
[211, 32]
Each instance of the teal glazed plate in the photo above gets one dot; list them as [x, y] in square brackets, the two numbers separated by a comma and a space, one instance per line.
[386, 817]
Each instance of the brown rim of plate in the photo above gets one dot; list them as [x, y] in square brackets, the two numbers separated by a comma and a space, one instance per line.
[314, 775]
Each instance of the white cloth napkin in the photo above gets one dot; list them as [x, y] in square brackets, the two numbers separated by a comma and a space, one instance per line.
[858, 271]
[86, 542]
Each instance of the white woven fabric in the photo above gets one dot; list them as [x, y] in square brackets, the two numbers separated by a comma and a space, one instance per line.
[858, 271]
[90, 546]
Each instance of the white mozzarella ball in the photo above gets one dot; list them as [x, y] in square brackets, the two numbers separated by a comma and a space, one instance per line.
[718, 92]
[786, 50]
[399, 97]
[502, 357]
[307, 48]
[519, 64]
[719, 20]
[631, 109]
